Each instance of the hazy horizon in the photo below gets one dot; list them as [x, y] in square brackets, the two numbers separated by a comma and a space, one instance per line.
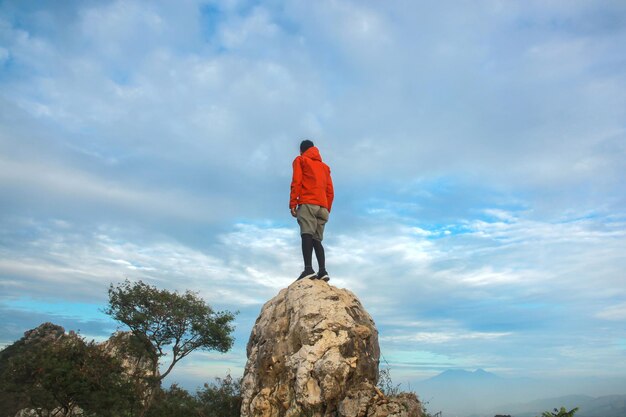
[459, 392]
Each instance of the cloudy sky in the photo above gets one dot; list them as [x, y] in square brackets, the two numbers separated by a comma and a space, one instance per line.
[478, 151]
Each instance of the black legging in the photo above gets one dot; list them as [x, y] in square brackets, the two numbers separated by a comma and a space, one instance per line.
[308, 244]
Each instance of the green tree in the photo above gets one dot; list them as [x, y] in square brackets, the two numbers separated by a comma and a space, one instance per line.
[168, 321]
[560, 413]
[221, 399]
[174, 402]
[66, 374]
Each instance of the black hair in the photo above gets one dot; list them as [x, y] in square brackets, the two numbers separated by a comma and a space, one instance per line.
[305, 144]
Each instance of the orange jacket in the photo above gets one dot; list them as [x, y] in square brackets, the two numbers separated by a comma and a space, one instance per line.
[311, 182]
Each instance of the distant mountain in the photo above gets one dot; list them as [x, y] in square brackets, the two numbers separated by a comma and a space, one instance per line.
[462, 376]
[606, 406]
[460, 393]
[479, 393]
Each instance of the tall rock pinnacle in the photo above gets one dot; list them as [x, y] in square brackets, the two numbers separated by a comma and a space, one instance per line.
[314, 352]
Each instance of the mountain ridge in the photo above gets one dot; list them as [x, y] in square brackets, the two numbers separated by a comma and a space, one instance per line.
[463, 374]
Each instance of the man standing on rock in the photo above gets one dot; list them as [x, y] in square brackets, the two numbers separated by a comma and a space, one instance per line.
[310, 202]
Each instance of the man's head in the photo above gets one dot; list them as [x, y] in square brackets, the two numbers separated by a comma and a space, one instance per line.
[304, 145]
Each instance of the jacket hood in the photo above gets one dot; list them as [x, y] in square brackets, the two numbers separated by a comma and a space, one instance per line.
[313, 153]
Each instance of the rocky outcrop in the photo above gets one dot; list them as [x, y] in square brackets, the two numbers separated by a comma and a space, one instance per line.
[132, 354]
[44, 333]
[401, 405]
[135, 361]
[121, 345]
[314, 352]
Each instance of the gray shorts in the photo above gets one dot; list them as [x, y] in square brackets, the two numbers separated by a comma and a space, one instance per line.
[312, 219]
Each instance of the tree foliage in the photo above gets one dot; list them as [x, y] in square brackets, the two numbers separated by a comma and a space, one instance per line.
[560, 413]
[63, 375]
[174, 402]
[50, 372]
[221, 399]
[168, 322]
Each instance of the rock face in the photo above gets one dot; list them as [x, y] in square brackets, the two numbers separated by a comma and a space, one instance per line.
[314, 352]
[132, 354]
[135, 362]
[44, 333]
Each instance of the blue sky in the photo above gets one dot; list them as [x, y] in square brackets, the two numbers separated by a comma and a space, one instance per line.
[478, 152]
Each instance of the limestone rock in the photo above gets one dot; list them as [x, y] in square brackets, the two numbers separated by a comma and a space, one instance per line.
[133, 355]
[314, 352]
[44, 333]
[401, 405]
[135, 361]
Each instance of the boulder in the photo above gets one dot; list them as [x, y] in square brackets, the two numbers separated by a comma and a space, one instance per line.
[314, 352]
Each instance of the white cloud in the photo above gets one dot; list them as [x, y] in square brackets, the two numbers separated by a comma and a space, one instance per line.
[615, 312]
[146, 79]
[82, 187]
[421, 288]
[160, 145]
[85, 264]
[445, 337]
[487, 276]
[249, 31]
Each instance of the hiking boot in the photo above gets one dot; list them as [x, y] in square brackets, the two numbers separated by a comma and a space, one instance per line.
[307, 273]
[323, 275]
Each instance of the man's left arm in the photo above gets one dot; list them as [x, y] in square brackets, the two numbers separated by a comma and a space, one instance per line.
[330, 191]
[296, 186]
